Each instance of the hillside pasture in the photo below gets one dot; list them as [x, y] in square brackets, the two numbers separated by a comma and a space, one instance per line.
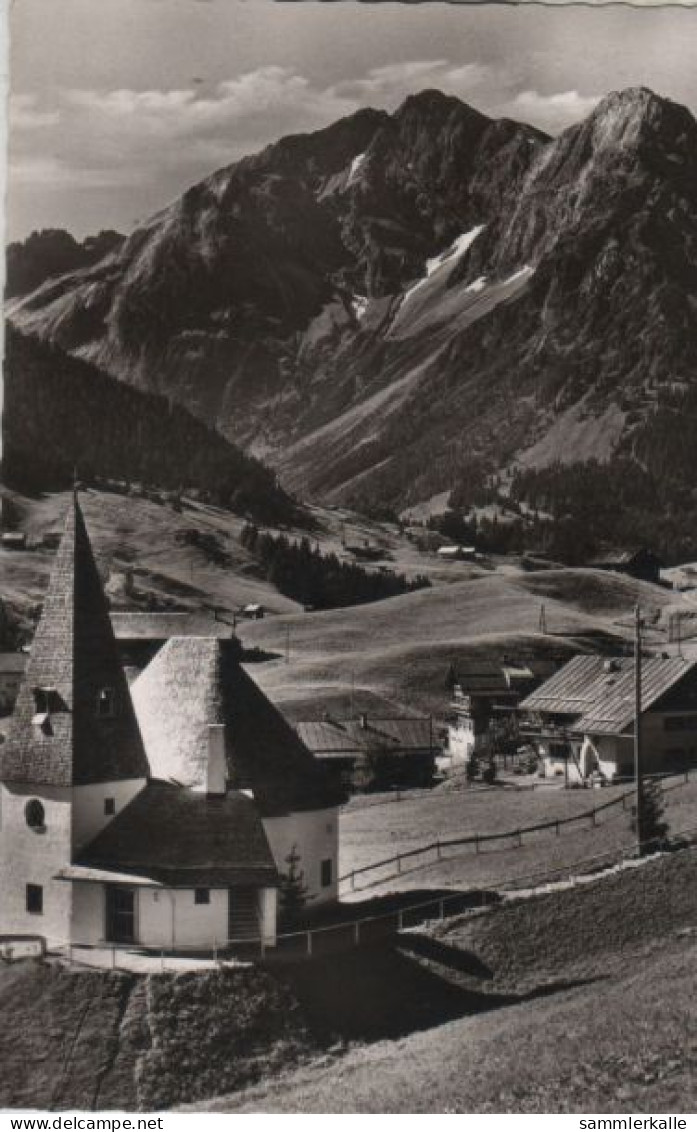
[571, 1001]
[372, 834]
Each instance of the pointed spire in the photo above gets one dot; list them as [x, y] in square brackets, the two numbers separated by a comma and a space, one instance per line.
[74, 721]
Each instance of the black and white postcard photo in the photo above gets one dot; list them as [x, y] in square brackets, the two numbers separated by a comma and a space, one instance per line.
[348, 563]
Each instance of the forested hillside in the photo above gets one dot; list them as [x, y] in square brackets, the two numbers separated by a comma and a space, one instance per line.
[62, 414]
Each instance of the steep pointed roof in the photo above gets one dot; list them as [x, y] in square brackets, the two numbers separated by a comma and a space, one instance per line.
[57, 735]
[194, 682]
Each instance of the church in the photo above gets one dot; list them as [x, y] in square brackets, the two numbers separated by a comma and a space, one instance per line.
[160, 815]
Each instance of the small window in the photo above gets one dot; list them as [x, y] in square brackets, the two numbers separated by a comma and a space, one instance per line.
[202, 896]
[106, 703]
[34, 814]
[326, 872]
[109, 806]
[35, 899]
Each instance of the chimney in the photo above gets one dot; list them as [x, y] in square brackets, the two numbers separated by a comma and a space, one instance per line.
[216, 768]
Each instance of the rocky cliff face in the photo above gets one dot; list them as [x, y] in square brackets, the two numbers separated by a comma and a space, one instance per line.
[375, 306]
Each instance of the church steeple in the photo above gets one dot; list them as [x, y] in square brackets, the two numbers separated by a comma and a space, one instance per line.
[74, 721]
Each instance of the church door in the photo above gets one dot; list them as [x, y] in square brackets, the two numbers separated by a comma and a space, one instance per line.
[120, 914]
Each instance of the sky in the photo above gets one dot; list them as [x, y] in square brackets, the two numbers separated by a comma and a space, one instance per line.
[118, 105]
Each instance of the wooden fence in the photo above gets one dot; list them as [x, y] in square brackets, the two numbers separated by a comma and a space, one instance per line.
[436, 850]
[364, 931]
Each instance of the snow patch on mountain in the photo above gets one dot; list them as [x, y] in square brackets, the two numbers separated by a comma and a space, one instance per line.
[359, 304]
[446, 259]
[355, 168]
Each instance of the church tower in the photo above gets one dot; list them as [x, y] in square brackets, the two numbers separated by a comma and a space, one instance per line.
[74, 756]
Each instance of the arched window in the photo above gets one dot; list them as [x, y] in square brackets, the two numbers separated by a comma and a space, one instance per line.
[34, 814]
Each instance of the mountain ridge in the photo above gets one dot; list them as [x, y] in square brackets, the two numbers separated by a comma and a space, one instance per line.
[382, 305]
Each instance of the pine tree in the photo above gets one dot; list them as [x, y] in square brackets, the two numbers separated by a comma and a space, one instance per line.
[653, 829]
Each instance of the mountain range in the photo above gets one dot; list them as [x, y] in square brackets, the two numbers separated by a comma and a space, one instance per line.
[400, 304]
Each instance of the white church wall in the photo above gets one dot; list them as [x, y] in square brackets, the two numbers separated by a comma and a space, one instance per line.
[88, 918]
[34, 856]
[268, 914]
[315, 836]
[89, 817]
[171, 918]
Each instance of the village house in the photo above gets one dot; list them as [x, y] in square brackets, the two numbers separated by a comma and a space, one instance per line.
[582, 719]
[162, 817]
[485, 695]
[457, 553]
[641, 563]
[374, 753]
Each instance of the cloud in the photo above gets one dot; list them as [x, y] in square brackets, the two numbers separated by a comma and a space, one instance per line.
[389, 85]
[552, 112]
[167, 138]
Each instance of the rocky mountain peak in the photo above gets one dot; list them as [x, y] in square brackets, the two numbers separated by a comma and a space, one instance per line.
[635, 118]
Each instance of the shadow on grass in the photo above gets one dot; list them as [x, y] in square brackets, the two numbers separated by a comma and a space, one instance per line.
[426, 903]
[383, 993]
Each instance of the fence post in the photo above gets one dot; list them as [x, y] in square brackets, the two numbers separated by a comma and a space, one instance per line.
[309, 943]
[353, 880]
[400, 920]
[399, 864]
[594, 820]
[441, 909]
[356, 933]
[438, 849]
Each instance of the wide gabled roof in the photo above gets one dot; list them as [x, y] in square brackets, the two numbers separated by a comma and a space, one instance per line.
[74, 654]
[336, 737]
[185, 838]
[599, 696]
[196, 682]
[131, 626]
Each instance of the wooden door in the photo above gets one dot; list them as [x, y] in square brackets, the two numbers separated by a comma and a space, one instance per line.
[120, 914]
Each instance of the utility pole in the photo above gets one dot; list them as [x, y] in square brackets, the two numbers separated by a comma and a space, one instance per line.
[543, 620]
[637, 726]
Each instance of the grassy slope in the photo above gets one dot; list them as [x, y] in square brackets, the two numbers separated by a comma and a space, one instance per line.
[74, 1039]
[126, 529]
[399, 650]
[374, 833]
[394, 653]
[571, 1002]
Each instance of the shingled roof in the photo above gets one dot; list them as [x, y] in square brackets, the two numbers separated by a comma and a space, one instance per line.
[598, 694]
[194, 682]
[56, 735]
[184, 838]
[333, 737]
